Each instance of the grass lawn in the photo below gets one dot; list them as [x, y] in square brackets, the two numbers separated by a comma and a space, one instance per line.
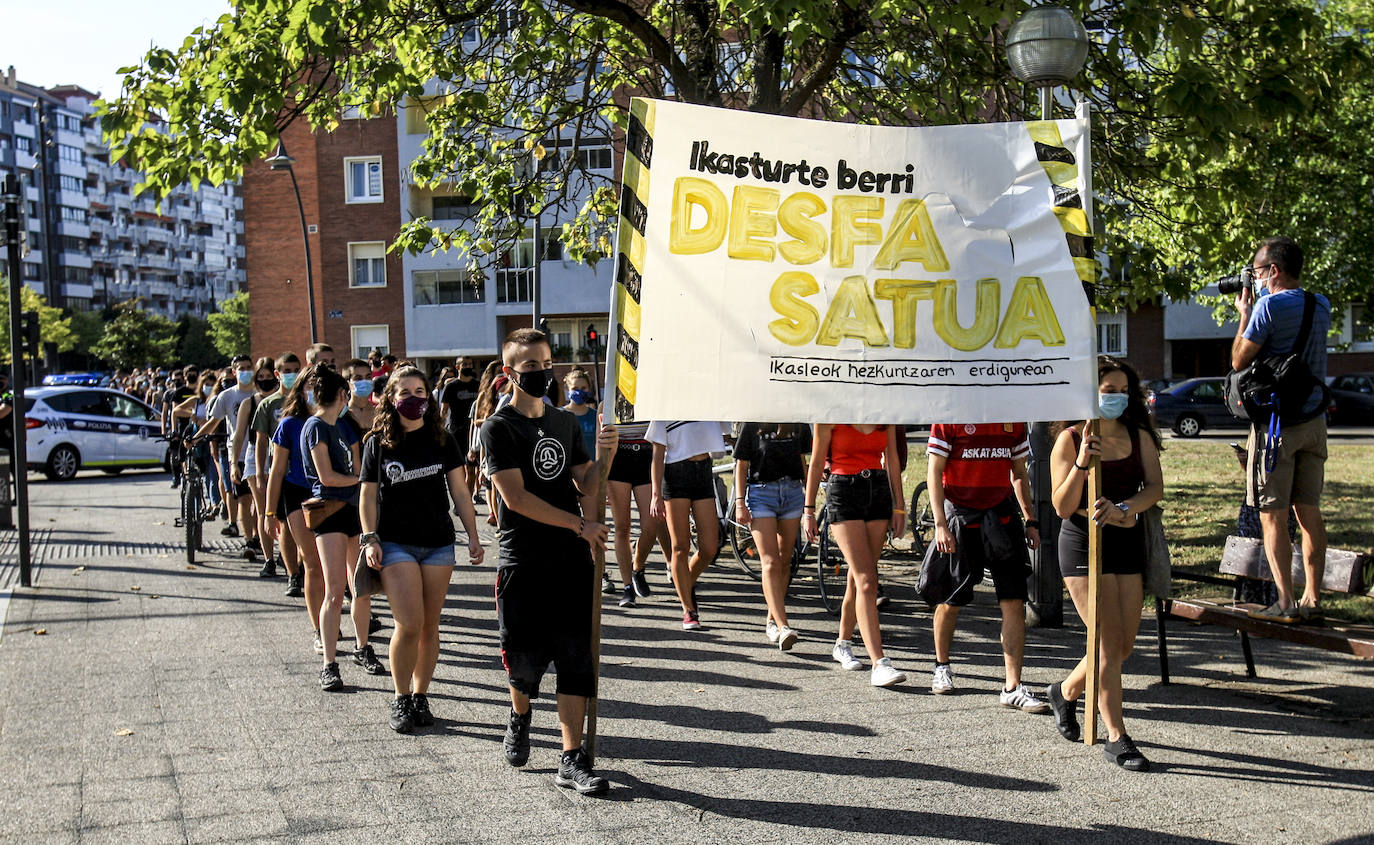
[1203, 485]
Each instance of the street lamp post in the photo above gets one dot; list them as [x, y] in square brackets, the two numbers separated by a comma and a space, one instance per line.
[281, 161]
[1047, 46]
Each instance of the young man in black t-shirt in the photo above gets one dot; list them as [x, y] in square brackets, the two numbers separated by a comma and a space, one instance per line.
[544, 482]
[455, 403]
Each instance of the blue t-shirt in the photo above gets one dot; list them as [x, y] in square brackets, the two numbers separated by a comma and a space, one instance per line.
[288, 436]
[1274, 325]
[588, 423]
[338, 438]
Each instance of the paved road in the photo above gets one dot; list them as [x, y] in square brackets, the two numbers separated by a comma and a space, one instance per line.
[167, 704]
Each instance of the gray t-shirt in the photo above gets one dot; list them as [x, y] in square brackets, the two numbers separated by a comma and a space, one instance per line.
[225, 407]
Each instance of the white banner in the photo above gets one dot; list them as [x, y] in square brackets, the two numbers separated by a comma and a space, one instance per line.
[779, 269]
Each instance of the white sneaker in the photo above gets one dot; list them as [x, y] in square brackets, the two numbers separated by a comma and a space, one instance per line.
[1023, 699]
[787, 638]
[943, 681]
[884, 675]
[771, 631]
[844, 655]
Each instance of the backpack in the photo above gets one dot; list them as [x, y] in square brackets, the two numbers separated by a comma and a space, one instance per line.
[1277, 386]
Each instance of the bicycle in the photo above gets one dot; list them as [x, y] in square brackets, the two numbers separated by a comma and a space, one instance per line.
[194, 496]
[921, 519]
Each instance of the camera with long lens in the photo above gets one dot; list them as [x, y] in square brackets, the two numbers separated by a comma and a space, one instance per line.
[1234, 284]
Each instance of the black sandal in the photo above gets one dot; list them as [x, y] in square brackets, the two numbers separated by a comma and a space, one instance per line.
[1124, 753]
[1065, 717]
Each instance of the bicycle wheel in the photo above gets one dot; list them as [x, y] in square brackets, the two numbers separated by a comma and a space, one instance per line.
[921, 519]
[190, 516]
[832, 569]
[742, 541]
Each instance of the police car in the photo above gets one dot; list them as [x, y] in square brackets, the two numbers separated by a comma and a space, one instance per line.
[71, 428]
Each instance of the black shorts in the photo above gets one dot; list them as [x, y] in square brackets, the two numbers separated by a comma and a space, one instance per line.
[544, 616]
[1009, 575]
[343, 521]
[689, 480]
[866, 496]
[1123, 549]
[291, 497]
[633, 463]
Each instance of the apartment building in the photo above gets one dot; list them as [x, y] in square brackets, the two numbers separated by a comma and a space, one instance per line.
[93, 244]
[349, 191]
[356, 190]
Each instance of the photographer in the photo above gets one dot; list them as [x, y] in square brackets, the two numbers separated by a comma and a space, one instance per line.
[1270, 327]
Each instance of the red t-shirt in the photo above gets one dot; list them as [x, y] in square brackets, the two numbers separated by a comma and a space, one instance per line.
[978, 460]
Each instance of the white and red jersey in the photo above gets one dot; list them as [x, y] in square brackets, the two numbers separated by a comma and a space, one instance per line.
[978, 460]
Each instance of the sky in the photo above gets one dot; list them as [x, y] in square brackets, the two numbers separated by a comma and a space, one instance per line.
[83, 42]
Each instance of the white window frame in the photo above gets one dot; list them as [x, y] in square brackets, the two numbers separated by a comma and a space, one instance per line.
[353, 249]
[349, 197]
[353, 339]
[1112, 318]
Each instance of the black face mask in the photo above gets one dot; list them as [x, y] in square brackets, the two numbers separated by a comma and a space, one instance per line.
[468, 373]
[267, 385]
[535, 382]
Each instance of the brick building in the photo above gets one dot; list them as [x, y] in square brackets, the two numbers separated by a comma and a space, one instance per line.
[349, 188]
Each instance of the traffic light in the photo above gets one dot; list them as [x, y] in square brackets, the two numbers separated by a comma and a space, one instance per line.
[592, 338]
[28, 334]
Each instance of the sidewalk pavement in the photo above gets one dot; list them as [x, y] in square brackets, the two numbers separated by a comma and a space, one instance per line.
[145, 701]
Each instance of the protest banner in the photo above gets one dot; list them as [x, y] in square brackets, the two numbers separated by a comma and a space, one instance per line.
[783, 269]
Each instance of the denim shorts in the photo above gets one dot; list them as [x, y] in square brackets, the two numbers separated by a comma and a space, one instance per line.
[866, 496]
[423, 555]
[781, 499]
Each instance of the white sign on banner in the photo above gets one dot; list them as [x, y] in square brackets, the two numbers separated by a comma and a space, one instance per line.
[806, 271]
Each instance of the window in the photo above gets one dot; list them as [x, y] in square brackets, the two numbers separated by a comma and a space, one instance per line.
[515, 273]
[364, 179]
[72, 154]
[447, 287]
[71, 244]
[129, 409]
[368, 338]
[1207, 390]
[569, 339]
[367, 265]
[80, 275]
[71, 183]
[455, 208]
[1111, 333]
[595, 158]
[73, 215]
[68, 123]
[23, 144]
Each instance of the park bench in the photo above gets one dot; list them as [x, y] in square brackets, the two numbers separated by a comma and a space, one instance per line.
[1346, 572]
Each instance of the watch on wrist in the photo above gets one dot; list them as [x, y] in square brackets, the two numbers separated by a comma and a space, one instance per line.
[369, 537]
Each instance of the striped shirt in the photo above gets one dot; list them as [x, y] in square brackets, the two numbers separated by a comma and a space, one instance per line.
[978, 460]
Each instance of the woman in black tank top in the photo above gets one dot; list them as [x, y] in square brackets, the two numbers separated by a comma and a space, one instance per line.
[1131, 483]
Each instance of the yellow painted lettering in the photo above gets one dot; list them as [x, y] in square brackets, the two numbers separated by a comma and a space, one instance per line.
[986, 304]
[904, 293]
[752, 217]
[1030, 316]
[690, 192]
[852, 313]
[799, 320]
[853, 222]
[912, 238]
[809, 242]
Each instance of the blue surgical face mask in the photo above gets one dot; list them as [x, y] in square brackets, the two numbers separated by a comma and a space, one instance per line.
[1112, 405]
[579, 397]
[288, 380]
[245, 377]
[309, 396]
[362, 387]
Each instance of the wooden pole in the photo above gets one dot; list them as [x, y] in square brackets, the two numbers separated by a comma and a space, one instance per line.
[607, 410]
[1094, 592]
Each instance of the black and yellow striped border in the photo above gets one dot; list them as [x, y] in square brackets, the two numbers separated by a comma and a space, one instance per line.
[629, 265]
[1062, 168]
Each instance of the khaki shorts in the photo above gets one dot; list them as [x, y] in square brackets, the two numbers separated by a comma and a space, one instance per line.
[1298, 473]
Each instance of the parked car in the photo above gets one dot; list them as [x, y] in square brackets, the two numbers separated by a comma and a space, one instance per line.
[1190, 406]
[74, 379]
[1352, 399]
[70, 428]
